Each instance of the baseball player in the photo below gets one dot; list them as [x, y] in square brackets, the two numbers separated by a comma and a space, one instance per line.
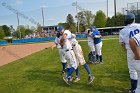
[125, 34]
[80, 58]
[69, 54]
[98, 43]
[135, 46]
[61, 53]
[91, 55]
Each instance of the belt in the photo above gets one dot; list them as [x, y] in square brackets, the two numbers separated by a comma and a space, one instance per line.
[68, 50]
[73, 45]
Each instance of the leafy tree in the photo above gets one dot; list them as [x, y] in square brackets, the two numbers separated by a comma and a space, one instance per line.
[6, 30]
[39, 28]
[2, 34]
[119, 20]
[100, 19]
[85, 19]
[70, 23]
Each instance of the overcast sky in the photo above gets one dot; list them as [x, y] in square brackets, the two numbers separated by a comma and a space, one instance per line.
[55, 11]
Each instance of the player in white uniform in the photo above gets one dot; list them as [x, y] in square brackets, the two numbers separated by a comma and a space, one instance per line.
[80, 58]
[91, 55]
[135, 46]
[61, 53]
[129, 31]
[69, 54]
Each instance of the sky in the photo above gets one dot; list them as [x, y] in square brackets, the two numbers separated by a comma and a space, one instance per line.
[55, 11]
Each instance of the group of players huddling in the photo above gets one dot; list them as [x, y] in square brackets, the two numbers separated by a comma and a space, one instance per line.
[71, 53]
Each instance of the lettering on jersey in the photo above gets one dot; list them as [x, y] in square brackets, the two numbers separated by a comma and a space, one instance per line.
[132, 33]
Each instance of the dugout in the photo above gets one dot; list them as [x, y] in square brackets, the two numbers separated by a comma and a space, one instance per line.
[49, 28]
[110, 30]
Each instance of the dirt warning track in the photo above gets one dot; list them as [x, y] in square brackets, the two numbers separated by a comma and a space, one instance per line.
[14, 52]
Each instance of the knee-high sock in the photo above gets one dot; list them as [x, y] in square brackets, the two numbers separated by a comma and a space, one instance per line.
[87, 68]
[97, 57]
[77, 72]
[93, 56]
[70, 72]
[101, 59]
[63, 66]
[133, 85]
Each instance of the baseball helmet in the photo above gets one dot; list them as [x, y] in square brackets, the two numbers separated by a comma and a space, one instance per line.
[129, 16]
[60, 28]
[92, 28]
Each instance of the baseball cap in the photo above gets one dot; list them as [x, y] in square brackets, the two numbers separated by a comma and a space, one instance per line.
[60, 28]
[92, 28]
[129, 16]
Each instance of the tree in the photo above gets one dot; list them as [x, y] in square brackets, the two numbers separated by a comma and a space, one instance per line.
[39, 28]
[85, 19]
[2, 34]
[119, 20]
[6, 30]
[100, 19]
[70, 23]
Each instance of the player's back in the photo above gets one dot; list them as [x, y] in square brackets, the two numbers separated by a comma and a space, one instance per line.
[128, 32]
[90, 39]
[67, 43]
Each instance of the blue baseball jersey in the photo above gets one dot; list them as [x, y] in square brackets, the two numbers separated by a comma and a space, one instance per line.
[96, 40]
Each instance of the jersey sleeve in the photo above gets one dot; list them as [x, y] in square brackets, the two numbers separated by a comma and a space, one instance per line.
[137, 39]
[56, 41]
[121, 38]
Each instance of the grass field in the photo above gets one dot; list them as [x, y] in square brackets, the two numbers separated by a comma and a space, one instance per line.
[41, 73]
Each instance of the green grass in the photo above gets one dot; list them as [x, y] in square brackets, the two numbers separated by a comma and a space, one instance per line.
[41, 73]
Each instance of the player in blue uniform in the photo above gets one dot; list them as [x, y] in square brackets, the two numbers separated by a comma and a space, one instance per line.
[98, 43]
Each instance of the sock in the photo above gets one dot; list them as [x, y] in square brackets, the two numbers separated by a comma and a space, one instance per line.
[101, 59]
[97, 57]
[70, 72]
[87, 68]
[94, 53]
[93, 56]
[63, 66]
[90, 56]
[77, 72]
[133, 85]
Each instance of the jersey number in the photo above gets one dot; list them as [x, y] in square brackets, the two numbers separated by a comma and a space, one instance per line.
[132, 33]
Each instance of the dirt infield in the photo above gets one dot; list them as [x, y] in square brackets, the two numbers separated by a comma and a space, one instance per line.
[14, 52]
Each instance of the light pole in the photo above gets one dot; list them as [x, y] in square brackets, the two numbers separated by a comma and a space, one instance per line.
[76, 6]
[42, 11]
[115, 11]
[107, 8]
[18, 26]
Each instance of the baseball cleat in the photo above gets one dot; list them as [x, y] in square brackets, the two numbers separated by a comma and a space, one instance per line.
[76, 79]
[66, 80]
[63, 74]
[90, 79]
[101, 63]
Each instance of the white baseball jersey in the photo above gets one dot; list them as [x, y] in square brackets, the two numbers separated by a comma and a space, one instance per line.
[61, 51]
[91, 42]
[70, 56]
[128, 32]
[67, 43]
[90, 39]
[57, 41]
[124, 36]
[137, 39]
[137, 62]
[77, 50]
